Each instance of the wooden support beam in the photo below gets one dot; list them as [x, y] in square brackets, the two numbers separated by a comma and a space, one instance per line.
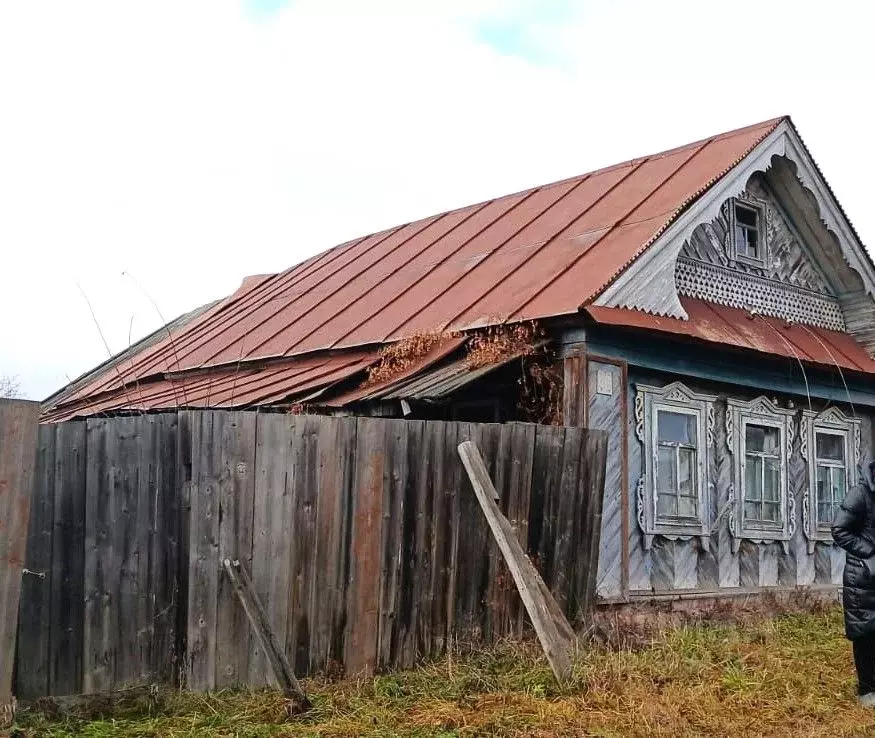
[284, 677]
[554, 632]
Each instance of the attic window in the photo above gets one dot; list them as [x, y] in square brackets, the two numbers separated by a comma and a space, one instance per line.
[747, 233]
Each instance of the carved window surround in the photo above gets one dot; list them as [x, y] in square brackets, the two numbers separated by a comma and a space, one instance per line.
[759, 412]
[832, 421]
[677, 398]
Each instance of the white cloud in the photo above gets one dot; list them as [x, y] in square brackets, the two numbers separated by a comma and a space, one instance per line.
[192, 143]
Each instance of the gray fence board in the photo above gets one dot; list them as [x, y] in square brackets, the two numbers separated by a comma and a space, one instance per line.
[68, 560]
[234, 439]
[36, 587]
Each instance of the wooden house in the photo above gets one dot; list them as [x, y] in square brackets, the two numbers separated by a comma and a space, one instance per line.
[711, 307]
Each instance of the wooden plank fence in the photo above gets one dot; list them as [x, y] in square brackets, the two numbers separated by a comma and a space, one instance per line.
[100, 610]
[18, 429]
[364, 540]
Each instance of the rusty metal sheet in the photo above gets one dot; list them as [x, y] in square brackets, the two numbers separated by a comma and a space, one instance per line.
[230, 387]
[534, 254]
[737, 328]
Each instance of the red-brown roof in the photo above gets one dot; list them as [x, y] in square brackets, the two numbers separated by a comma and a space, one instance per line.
[535, 254]
[229, 387]
[740, 329]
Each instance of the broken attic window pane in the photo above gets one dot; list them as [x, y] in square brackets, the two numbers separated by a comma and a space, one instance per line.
[747, 232]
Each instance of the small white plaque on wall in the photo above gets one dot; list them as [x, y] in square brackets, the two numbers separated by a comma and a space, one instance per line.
[604, 381]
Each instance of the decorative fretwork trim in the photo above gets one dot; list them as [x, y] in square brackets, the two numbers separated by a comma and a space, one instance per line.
[724, 286]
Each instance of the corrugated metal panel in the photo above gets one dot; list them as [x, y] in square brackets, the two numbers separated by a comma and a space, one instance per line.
[535, 254]
[734, 327]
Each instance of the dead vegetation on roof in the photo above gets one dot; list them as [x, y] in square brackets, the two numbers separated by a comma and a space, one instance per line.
[399, 357]
[541, 380]
[497, 343]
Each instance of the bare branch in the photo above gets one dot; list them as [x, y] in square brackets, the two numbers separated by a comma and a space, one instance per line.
[10, 387]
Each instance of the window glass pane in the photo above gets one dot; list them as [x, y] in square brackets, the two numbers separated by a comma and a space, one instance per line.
[753, 482]
[771, 511]
[752, 246]
[676, 428]
[822, 486]
[667, 477]
[687, 472]
[763, 439]
[666, 505]
[824, 513]
[830, 446]
[746, 216]
[741, 239]
[751, 511]
[839, 486]
[688, 507]
[666, 482]
[772, 480]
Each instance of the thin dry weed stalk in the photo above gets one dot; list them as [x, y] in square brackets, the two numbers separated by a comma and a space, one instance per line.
[541, 389]
[10, 387]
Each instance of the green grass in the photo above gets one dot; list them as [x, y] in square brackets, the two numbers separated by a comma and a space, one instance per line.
[791, 676]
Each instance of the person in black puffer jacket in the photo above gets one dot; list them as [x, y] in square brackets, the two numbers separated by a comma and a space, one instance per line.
[854, 530]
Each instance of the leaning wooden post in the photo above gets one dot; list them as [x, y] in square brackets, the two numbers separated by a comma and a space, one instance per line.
[18, 441]
[282, 669]
[552, 628]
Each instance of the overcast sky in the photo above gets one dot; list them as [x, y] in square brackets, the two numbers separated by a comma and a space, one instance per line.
[160, 151]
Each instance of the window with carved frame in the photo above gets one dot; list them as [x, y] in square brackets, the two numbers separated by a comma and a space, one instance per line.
[831, 446]
[676, 429]
[747, 230]
[759, 435]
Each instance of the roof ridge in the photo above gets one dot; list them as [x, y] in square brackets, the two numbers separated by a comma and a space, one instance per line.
[771, 122]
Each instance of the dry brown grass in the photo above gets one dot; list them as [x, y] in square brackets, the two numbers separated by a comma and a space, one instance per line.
[791, 677]
[498, 342]
[398, 357]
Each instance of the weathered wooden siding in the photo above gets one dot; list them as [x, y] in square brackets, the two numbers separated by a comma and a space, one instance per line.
[362, 536]
[18, 442]
[684, 565]
[605, 411]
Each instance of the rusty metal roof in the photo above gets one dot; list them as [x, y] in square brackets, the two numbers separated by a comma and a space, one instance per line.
[741, 329]
[229, 387]
[534, 254]
[538, 253]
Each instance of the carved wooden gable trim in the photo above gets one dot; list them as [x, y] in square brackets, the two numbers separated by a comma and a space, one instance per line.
[834, 287]
[785, 284]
